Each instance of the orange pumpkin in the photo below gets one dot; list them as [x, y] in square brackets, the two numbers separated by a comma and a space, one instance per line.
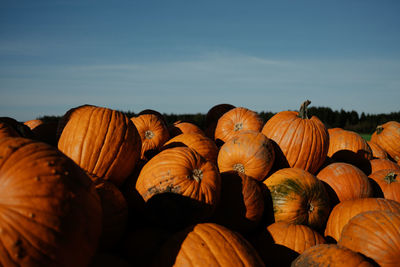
[330, 255]
[389, 183]
[153, 133]
[387, 136]
[298, 197]
[234, 121]
[381, 164]
[180, 127]
[303, 142]
[346, 180]
[248, 152]
[377, 151]
[208, 244]
[198, 142]
[350, 147]
[186, 175]
[102, 141]
[344, 211]
[213, 116]
[375, 234]
[50, 212]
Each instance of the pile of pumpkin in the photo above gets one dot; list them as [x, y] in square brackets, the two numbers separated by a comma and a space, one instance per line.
[100, 189]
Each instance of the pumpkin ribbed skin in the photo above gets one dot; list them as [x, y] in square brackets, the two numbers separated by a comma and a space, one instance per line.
[350, 147]
[180, 127]
[153, 133]
[234, 121]
[248, 152]
[382, 164]
[387, 136]
[304, 142]
[389, 182]
[375, 234]
[241, 204]
[298, 197]
[213, 116]
[208, 244]
[50, 212]
[102, 141]
[330, 255]
[348, 181]
[181, 170]
[344, 211]
[377, 151]
[198, 142]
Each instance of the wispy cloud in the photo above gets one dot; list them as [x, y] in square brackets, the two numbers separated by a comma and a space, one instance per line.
[196, 85]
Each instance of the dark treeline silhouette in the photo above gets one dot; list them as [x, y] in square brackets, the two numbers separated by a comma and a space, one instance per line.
[349, 120]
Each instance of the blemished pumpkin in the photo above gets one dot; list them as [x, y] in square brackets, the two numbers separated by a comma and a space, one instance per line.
[387, 136]
[102, 141]
[241, 204]
[381, 164]
[298, 197]
[248, 152]
[330, 255]
[213, 116]
[346, 180]
[153, 133]
[375, 234]
[344, 211]
[203, 145]
[50, 212]
[350, 147]
[303, 142]
[389, 182]
[180, 127]
[208, 244]
[183, 172]
[234, 121]
[377, 151]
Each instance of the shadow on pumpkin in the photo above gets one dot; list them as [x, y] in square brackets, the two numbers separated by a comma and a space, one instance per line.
[376, 189]
[359, 159]
[280, 160]
[241, 204]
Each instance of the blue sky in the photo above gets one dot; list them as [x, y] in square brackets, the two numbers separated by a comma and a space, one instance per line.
[186, 56]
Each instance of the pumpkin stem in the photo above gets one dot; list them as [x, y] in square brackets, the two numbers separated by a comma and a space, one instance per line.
[310, 207]
[238, 167]
[149, 134]
[303, 109]
[379, 129]
[390, 177]
[197, 175]
[238, 126]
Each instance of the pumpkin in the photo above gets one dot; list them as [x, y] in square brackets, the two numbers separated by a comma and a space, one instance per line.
[377, 151]
[387, 136]
[389, 182]
[303, 142]
[203, 145]
[115, 214]
[330, 255]
[65, 118]
[180, 127]
[180, 179]
[19, 127]
[344, 211]
[375, 234]
[44, 131]
[248, 152]
[381, 164]
[7, 131]
[298, 197]
[346, 180]
[350, 147]
[153, 133]
[213, 116]
[282, 242]
[241, 204]
[154, 112]
[102, 141]
[50, 212]
[208, 244]
[234, 121]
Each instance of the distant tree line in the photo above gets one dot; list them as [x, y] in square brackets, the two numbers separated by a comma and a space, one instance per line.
[349, 120]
